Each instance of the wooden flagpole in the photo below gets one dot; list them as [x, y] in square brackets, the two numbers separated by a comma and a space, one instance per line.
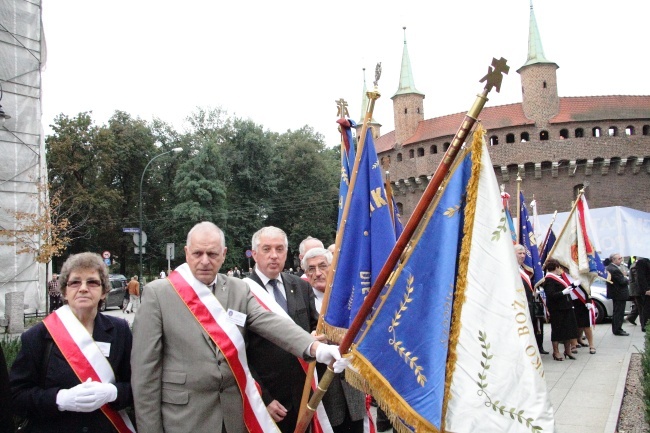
[493, 79]
[566, 224]
[548, 232]
[518, 228]
[372, 98]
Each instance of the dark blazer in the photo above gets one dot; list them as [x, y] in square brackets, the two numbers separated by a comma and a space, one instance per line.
[617, 289]
[34, 397]
[278, 372]
[555, 300]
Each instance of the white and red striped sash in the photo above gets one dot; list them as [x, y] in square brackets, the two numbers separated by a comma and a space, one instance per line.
[320, 422]
[212, 317]
[580, 293]
[526, 278]
[85, 358]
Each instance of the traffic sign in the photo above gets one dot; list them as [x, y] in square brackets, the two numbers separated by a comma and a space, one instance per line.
[136, 238]
[106, 254]
[170, 251]
[249, 253]
[131, 230]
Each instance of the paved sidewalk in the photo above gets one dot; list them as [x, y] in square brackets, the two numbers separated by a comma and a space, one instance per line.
[587, 393]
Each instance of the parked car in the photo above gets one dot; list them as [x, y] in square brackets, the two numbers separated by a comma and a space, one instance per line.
[604, 305]
[115, 297]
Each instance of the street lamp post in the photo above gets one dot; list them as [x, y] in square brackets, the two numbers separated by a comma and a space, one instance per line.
[176, 149]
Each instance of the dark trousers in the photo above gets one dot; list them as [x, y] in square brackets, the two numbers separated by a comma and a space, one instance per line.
[55, 302]
[617, 316]
[349, 426]
[637, 309]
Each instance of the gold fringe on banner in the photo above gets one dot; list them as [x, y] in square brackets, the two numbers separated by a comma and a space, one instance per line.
[333, 333]
[461, 280]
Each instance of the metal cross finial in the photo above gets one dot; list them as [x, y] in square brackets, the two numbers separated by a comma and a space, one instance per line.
[377, 73]
[494, 77]
[342, 107]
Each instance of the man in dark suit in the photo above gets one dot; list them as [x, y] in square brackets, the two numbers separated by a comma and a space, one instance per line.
[617, 291]
[277, 371]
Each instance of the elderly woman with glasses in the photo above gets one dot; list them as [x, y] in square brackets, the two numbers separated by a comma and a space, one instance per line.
[73, 371]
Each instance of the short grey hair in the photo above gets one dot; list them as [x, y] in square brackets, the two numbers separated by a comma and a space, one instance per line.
[268, 231]
[612, 256]
[206, 226]
[301, 248]
[519, 247]
[316, 252]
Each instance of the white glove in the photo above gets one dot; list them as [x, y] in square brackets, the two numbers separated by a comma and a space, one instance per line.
[66, 399]
[589, 305]
[575, 283]
[326, 353]
[567, 291]
[341, 364]
[538, 291]
[94, 395]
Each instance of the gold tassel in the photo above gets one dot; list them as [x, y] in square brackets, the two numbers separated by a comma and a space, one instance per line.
[461, 281]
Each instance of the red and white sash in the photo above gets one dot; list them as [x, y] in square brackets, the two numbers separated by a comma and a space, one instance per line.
[320, 422]
[526, 278]
[581, 294]
[212, 317]
[85, 358]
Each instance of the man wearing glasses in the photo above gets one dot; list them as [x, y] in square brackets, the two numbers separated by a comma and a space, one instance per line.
[345, 405]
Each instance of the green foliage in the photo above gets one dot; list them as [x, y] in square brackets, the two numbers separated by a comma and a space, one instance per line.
[232, 172]
[10, 348]
[645, 363]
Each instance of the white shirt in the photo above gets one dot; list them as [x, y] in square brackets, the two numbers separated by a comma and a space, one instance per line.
[269, 288]
[319, 299]
[162, 274]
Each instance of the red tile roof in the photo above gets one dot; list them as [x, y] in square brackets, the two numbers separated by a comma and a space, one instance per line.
[572, 109]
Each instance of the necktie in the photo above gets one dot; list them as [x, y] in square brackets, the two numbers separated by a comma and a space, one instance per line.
[278, 295]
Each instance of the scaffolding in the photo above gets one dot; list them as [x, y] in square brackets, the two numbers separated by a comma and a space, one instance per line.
[22, 144]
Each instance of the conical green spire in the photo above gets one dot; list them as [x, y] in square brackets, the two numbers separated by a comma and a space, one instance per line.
[364, 101]
[535, 50]
[406, 83]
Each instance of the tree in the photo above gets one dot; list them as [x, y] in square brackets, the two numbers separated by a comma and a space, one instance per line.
[44, 233]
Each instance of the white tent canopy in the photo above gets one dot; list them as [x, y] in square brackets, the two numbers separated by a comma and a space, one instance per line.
[616, 229]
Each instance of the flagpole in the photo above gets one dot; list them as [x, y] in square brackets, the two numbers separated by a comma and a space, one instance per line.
[518, 228]
[372, 98]
[566, 224]
[548, 232]
[493, 79]
[389, 196]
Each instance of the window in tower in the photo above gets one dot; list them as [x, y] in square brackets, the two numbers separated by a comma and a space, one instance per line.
[406, 110]
[543, 135]
[646, 130]
[544, 84]
[595, 132]
[399, 157]
[564, 133]
[613, 131]
[580, 132]
[411, 153]
[433, 149]
[494, 140]
[510, 138]
[445, 146]
[629, 130]
[420, 151]
[525, 137]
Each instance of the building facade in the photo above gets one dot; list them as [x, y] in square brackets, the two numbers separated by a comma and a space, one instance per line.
[557, 145]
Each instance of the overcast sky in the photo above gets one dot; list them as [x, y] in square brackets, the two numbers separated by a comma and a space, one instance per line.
[283, 63]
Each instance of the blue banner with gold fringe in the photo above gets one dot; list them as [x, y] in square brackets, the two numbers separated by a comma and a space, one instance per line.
[403, 349]
[367, 239]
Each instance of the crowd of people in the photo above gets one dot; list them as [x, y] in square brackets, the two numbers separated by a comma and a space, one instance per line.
[214, 352]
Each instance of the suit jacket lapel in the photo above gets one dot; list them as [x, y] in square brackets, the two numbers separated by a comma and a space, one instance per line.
[290, 291]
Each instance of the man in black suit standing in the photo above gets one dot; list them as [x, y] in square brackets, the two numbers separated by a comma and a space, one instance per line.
[278, 372]
[617, 291]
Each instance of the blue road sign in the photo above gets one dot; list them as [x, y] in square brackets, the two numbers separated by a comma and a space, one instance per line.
[131, 230]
